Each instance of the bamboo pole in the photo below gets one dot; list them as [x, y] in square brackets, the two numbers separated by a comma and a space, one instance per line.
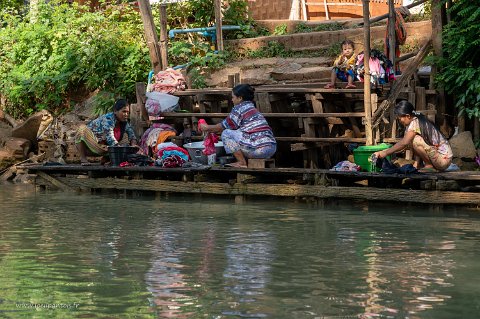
[366, 77]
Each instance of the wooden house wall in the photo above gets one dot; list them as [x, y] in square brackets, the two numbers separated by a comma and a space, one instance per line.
[338, 9]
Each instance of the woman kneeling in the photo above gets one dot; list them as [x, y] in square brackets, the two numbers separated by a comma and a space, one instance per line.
[94, 138]
[245, 132]
[428, 143]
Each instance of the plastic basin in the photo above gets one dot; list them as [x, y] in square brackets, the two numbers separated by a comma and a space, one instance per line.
[362, 156]
[195, 150]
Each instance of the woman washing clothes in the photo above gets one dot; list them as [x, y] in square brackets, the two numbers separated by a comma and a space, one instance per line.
[245, 131]
[94, 138]
[428, 143]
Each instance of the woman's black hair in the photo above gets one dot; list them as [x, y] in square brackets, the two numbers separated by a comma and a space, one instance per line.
[427, 129]
[120, 104]
[245, 91]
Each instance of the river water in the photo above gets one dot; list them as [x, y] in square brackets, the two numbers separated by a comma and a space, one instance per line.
[105, 256]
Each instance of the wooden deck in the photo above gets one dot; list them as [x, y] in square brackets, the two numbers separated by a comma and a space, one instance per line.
[459, 188]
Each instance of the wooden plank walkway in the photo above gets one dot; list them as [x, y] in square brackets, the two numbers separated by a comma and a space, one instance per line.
[461, 188]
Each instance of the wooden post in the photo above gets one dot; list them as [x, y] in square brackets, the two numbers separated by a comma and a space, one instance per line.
[437, 26]
[391, 32]
[150, 34]
[366, 77]
[218, 24]
[163, 36]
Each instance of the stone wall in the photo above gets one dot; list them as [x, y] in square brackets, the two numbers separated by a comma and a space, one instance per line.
[417, 32]
[338, 9]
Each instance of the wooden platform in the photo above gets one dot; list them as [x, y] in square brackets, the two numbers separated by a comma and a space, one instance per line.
[460, 188]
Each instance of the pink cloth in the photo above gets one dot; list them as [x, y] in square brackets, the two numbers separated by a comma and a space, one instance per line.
[169, 81]
[209, 143]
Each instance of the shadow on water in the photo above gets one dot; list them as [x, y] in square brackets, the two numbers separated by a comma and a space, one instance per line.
[88, 256]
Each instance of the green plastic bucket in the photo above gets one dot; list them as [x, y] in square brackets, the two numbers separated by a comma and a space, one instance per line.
[362, 155]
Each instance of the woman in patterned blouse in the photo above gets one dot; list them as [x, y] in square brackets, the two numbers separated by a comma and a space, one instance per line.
[245, 131]
[94, 138]
[428, 143]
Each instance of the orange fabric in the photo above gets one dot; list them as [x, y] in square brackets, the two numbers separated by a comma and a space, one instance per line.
[162, 136]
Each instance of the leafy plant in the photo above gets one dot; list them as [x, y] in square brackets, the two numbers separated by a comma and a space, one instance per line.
[280, 29]
[44, 62]
[460, 67]
[304, 28]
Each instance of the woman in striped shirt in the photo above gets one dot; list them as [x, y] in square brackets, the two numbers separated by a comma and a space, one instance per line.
[245, 131]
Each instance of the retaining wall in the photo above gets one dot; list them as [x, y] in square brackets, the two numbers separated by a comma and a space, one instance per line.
[338, 9]
[417, 32]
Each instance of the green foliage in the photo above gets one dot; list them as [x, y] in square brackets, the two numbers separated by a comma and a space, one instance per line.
[460, 67]
[273, 49]
[332, 50]
[103, 103]
[8, 5]
[43, 63]
[280, 29]
[304, 28]
[201, 13]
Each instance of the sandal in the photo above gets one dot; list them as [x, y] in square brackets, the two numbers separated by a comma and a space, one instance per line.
[351, 86]
[329, 86]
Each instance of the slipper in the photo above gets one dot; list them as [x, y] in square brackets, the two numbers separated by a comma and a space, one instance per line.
[427, 170]
[350, 86]
[236, 165]
[329, 86]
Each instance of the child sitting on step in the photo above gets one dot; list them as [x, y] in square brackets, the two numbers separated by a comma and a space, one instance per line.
[343, 67]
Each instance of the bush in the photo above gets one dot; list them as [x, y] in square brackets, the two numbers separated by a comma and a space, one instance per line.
[460, 67]
[43, 63]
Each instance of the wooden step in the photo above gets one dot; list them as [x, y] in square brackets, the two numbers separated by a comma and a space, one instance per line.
[280, 115]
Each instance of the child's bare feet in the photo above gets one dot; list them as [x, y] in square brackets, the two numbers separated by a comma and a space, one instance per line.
[350, 86]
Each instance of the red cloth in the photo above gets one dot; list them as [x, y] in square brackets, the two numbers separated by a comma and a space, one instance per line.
[209, 143]
[117, 132]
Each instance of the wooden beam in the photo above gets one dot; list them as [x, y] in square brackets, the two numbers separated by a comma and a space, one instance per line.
[269, 115]
[282, 190]
[399, 84]
[385, 16]
[150, 34]
[57, 183]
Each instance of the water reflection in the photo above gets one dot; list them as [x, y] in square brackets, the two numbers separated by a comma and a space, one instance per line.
[179, 258]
